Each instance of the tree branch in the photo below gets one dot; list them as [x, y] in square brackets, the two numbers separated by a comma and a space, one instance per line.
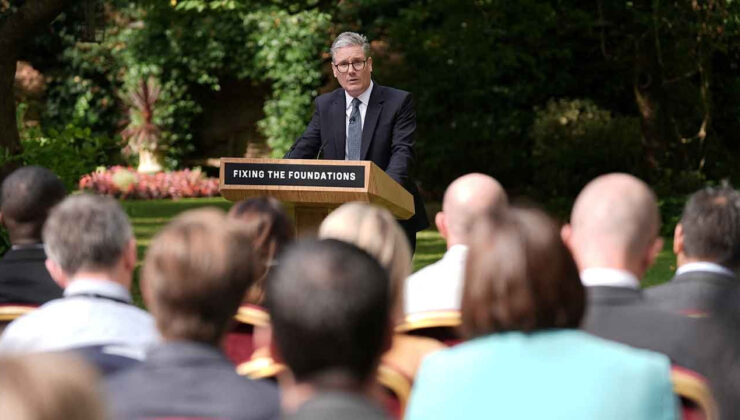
[25, 22]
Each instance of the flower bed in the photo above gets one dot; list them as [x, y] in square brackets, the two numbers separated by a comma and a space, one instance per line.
[121, 182]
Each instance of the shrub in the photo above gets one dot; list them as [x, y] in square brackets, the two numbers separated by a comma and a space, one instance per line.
[575, 141]
[126, 183]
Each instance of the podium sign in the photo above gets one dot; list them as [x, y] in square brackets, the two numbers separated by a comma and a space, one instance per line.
[310, 189]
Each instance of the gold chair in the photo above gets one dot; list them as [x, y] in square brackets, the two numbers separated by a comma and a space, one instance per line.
[440, 325]
[697, 401]
[11, 311]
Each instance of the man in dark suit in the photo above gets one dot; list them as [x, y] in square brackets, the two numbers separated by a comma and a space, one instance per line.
[707, 246]
[329, 307]
[364, 121]
[195, 275]
[613, 236]
[26, 198]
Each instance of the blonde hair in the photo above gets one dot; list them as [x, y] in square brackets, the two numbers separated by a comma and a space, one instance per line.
[374, 230]
[49, 386]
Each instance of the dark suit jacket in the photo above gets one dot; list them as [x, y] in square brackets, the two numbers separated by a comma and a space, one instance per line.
[185, 379]
[387, 137]
[336, 405]
[700, 293]
[24, 279]
[700, 344]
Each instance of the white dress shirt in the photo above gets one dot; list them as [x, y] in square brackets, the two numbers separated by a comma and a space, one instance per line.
[609, 277]
[364, 98]
[706, 267]
[92, 312]
[437, 286]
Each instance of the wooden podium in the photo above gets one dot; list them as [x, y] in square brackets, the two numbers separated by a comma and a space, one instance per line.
[310, 189]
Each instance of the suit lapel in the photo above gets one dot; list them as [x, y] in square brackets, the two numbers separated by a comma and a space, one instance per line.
[374, 107]
[339, 116]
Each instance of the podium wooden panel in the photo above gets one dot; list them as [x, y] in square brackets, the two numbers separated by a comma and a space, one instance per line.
[309, 188]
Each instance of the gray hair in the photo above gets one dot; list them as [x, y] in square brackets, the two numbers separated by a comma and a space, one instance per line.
[350, 39]
[86, 232]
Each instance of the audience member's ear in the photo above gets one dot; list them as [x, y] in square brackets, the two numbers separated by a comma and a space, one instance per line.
[678, 239]
[388, 339]
[2, 221]
[56, 273]
[441, 221]
[129, 255]
[566, 232]
[274, 349]
[262, 338]
[653, 252]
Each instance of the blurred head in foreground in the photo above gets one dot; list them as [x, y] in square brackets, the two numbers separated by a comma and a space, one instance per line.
[519, 276]
[47, 386]
[709, 229]
[27, 196]
[467, 198]
[89, 235]
[374, 230]
[196, 271]
[270, 231]
[328, 303]
[615, 224]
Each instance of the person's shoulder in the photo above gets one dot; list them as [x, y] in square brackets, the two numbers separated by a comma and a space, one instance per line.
[610, 351]
[329, 96]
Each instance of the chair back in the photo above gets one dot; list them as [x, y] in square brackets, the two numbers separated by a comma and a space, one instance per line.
[697, 402]
[440, 325]
[397, 387]
[239, 342]
[10, 311]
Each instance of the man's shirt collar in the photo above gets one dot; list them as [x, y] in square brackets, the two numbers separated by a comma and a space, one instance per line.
[706, 267]
[102, 287]
[364, 97]
[610, 277]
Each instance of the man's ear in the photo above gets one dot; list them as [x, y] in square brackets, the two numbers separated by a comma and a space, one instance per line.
[2, 221]
[129, 255]
[369, 64]
[441, 221]
[566, 233]
[678, 239]
[653, 252]
[56, 273]
[274, 349]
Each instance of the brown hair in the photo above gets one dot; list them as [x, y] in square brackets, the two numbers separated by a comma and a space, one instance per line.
[270, 231]
[519, 276]
[49, 386]
[195, 274]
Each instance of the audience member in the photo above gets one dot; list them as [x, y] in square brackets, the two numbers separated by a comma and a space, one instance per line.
[196, 272]
[613, 236]
[329, 303]
[271, 230]
[91, 254]
[439, 286]
[26, 198]
[49, 387]
[522, 304]
[707, 246]
[374, 230]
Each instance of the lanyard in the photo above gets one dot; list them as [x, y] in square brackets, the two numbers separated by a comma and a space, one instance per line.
[98, 296]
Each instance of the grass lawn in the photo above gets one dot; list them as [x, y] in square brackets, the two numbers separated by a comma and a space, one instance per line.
[148, 216]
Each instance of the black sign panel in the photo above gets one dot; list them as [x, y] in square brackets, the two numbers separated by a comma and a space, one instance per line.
[347, 176]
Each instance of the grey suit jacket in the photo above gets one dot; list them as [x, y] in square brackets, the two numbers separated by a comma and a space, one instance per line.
[700, 294]
[186, 379]
[336, 405]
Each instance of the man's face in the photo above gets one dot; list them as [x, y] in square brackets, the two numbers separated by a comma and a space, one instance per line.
[353, 81]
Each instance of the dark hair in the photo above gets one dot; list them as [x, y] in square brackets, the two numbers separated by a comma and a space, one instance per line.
[711, 226]
[519, 276]
[196, 271]
[329, 306]
[270, 230]
[26, 198]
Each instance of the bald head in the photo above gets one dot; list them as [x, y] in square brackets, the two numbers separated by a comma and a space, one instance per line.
[614, 224]
[466, 199]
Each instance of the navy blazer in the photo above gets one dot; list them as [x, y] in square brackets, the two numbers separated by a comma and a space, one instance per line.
[24, 279]
[387, 137]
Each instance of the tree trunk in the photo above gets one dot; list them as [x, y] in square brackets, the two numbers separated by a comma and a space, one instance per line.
[17, 28]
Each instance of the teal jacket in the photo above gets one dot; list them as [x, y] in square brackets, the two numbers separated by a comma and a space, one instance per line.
[555, 374]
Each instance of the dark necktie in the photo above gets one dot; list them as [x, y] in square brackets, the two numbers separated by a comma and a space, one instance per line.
[354, 132]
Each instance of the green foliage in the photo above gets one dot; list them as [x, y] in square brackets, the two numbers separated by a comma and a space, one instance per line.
[575, 141]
